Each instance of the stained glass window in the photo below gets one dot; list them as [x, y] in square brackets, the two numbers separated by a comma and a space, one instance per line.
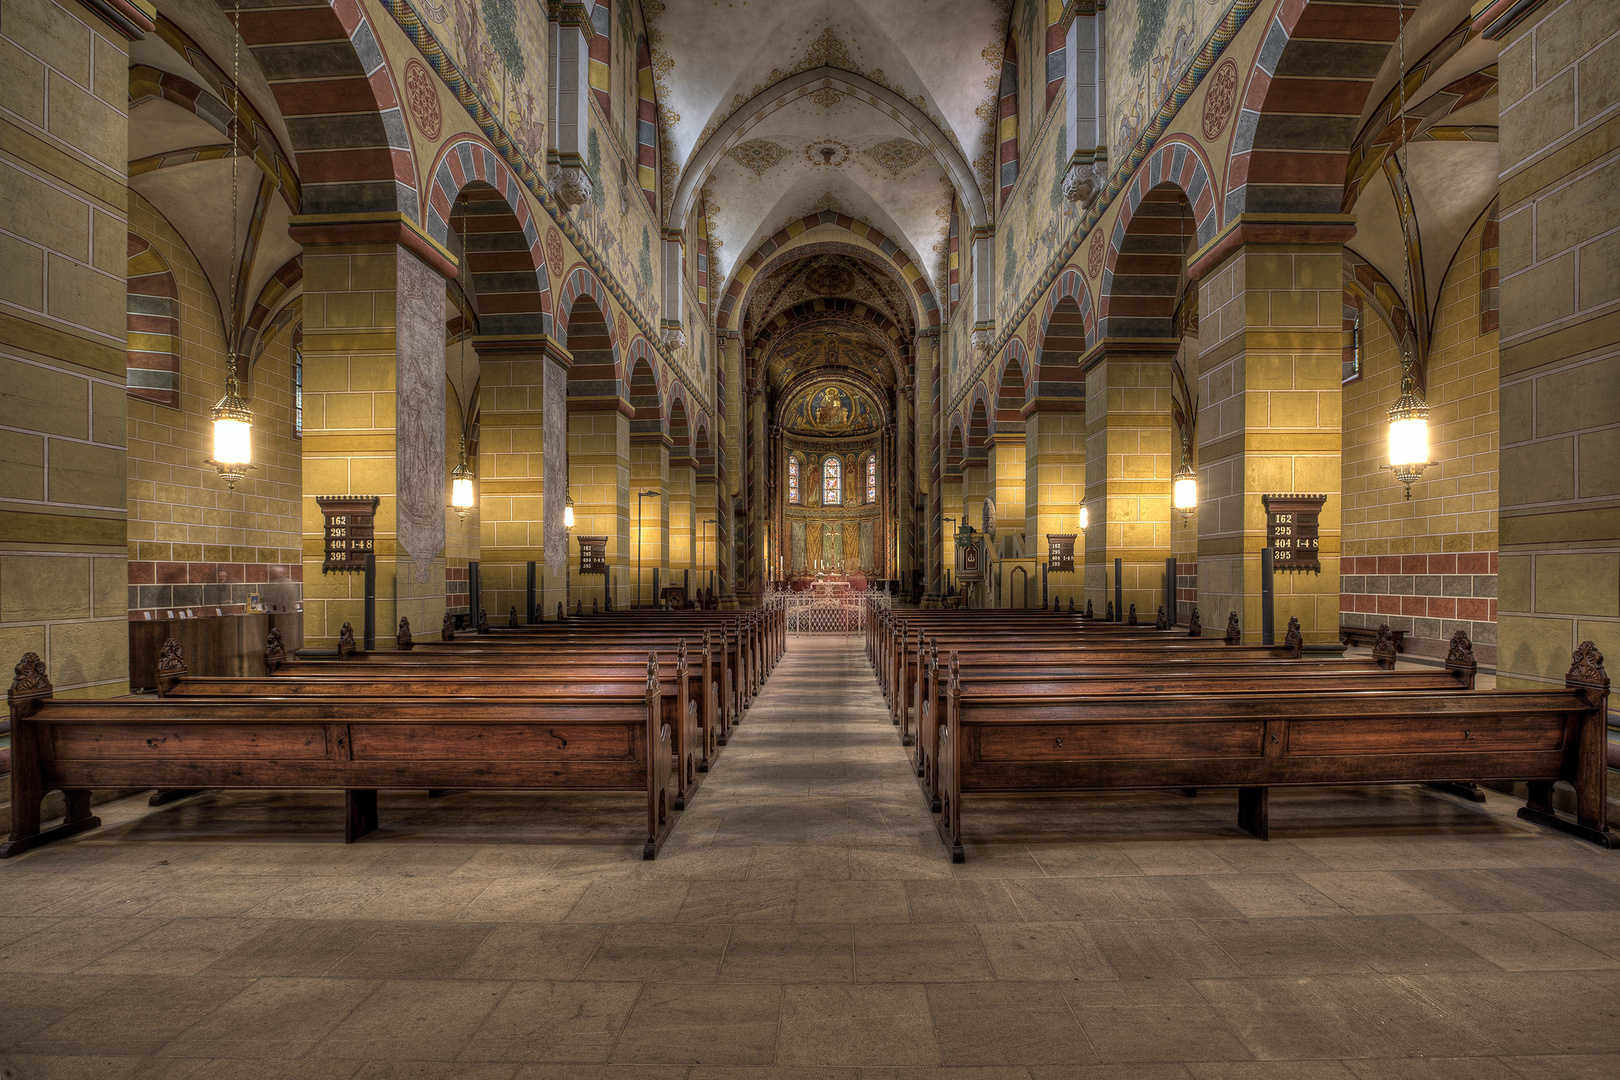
[832, 482]
[793, 480]
[871, 478]
[298, 393]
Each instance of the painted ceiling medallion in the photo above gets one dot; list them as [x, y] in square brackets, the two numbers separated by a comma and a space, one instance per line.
[827, 97]
[832, 152]
[830, 279]
[896, 155]
[757, 155]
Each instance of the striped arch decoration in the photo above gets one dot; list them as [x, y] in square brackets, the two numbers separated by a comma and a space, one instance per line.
[582, 337]
[953, 258]
[680, 425]
[1007, 123]
[840, 310]
[1490, 270]
[956, 446]
[1012, 386]
[1299, 113]
[510, 303]
[153, 322]
[978, 435]
[255, 333]
[1132, 282]
[1066, 328]
[909, 271]
[1056, 43]
[646, 126]
[701, 248]
[322, 59]
[646, 394]
[601, 56]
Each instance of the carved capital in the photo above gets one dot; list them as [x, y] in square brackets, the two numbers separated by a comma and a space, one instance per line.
[674, 337]
[570, 184]
[1084, 181]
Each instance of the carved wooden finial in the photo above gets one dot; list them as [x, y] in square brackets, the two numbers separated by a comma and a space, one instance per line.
[1131, 619]
[594, 609]
[680, 653]
[706, 647]
[171, 658]
[447, 627]
[1109, 617]
[1585, 669]
[1089, 615]
[275, 651]
[1461, 656]
[1071, 607]
[1233, 633]
[483, 621]
[1161, 621]
[346, 643]
[955, 685]
[1194, 627]
[1383, 649]
[30, 683]
[652, 673]
[403, 638]
[1294, 639]
[512, 619]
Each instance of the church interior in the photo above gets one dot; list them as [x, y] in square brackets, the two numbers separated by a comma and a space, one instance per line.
[566, 538]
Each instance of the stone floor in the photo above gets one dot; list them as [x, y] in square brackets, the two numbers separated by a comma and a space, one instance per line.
[803, 922]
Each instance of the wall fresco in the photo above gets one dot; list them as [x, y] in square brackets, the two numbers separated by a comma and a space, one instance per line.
[500, 46]
[1150, 45]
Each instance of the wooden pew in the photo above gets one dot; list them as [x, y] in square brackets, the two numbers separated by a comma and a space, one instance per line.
[696, 729]
[567, 740]
[1253, 741]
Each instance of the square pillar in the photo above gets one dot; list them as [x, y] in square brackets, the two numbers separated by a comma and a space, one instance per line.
[511, 474]
[1055, 485]
[682, 516]
[1007, 477]
[374, 419]
[1128, 468]
[599, 480]
[649, 471]
[1269, 422]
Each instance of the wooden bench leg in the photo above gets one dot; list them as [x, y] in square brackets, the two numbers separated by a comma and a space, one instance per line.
[1254, 812]
[359, 813]
[25, 830]
[165, 796]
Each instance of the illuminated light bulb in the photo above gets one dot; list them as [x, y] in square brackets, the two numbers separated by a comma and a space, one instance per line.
[233, 432]
[1085, 518]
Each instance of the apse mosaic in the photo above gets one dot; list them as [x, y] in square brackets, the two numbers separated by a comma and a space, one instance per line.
[812, 346]
[830, 410]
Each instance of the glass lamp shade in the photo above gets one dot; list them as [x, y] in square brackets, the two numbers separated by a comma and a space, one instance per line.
[1085, 518]
[461, 492]
[1184, 493]
[568, 514]
[1409, 436]
[233, 433]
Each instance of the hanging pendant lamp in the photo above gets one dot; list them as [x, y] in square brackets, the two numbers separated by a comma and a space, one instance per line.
[233, 419]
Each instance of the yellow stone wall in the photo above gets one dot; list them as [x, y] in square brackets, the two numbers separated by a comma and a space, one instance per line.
[1426, 565]
[1055, 485]
[190, 538]
[1270, 404]
[511, 481]
[682, 519]
[649, 517]
[63, 253]
[599, 481]
[1006, 467]
[1128, 466]
[1560, 340]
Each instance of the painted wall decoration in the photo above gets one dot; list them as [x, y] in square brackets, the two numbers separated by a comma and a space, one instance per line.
[1151, 44]
[830, 409]
[500, 45]
[1037, 220]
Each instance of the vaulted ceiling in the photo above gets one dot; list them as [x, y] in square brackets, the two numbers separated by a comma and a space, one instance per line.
[826, 147]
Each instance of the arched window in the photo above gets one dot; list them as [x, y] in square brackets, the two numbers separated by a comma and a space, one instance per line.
[298, 392]
[832, 482]
[794, 496]
[871, 478]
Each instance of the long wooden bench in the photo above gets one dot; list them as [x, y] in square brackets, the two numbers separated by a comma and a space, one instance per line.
[696, 730]
[563, 741]
[1009, 740]
[1065, 673]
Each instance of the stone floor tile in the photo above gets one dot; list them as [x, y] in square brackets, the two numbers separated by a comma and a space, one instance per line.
[1006, 1023]
[1519, 943]
[684, 953]
[866, 1025]
[33, 1002]
[1599, 930]
[1161, 949]
[276, 1018]
[178, 947]
[1428, 1068]
[1374, 892]
[1296, 946]
[525, 898]
[70, 944]
[702, 1024]
[1402, 943]
[1171, 896]
[1292, 1018]
[765, 900]
[1567, 1067]
[572, 1022]
[532, 951]
[812, 952]
[919, 953]
[1162, 1033]
[1261, 896]
[1526, 1012]
[408, 951]
[139, 1016]
[851, 901]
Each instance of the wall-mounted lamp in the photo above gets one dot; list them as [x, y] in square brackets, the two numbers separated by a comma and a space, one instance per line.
[1085, 518]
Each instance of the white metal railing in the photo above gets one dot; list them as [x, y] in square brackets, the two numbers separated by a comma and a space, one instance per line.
[826, 609]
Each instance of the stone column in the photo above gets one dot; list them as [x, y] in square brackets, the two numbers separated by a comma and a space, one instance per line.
[511, 472]
[374, 417]
[902, 460]
[1054, 486]
[682, 520]
[599, 480]
[731, 386]
[757, 510]
[706, 508]
[1007, 477]
[950, 514]
[649, 517]
[63, 496]
[1559, 577]
[1128, 468]
[1269, 378]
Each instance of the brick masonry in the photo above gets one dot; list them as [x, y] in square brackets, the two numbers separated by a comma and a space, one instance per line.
[1430, 597]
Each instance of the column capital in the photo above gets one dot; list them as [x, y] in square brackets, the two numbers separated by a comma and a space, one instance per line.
[384, 227]
[1282, 229]
[1072, 9]
[1135, 348]
[514, 346]
[1050, 404]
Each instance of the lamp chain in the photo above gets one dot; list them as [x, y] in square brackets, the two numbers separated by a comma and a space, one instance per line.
[236, 255]
[1403, 160]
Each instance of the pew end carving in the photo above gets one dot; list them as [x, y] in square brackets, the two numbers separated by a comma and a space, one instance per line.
[29, 691]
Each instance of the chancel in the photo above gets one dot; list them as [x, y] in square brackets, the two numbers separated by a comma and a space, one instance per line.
[999, 539]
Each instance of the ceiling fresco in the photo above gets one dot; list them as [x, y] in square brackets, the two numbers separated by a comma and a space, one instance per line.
[830, 410]
[826, 276]
[815, 346]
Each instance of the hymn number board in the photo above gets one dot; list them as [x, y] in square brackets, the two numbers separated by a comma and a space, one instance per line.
[1292, 531]
[350, 530]
[593, 554]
